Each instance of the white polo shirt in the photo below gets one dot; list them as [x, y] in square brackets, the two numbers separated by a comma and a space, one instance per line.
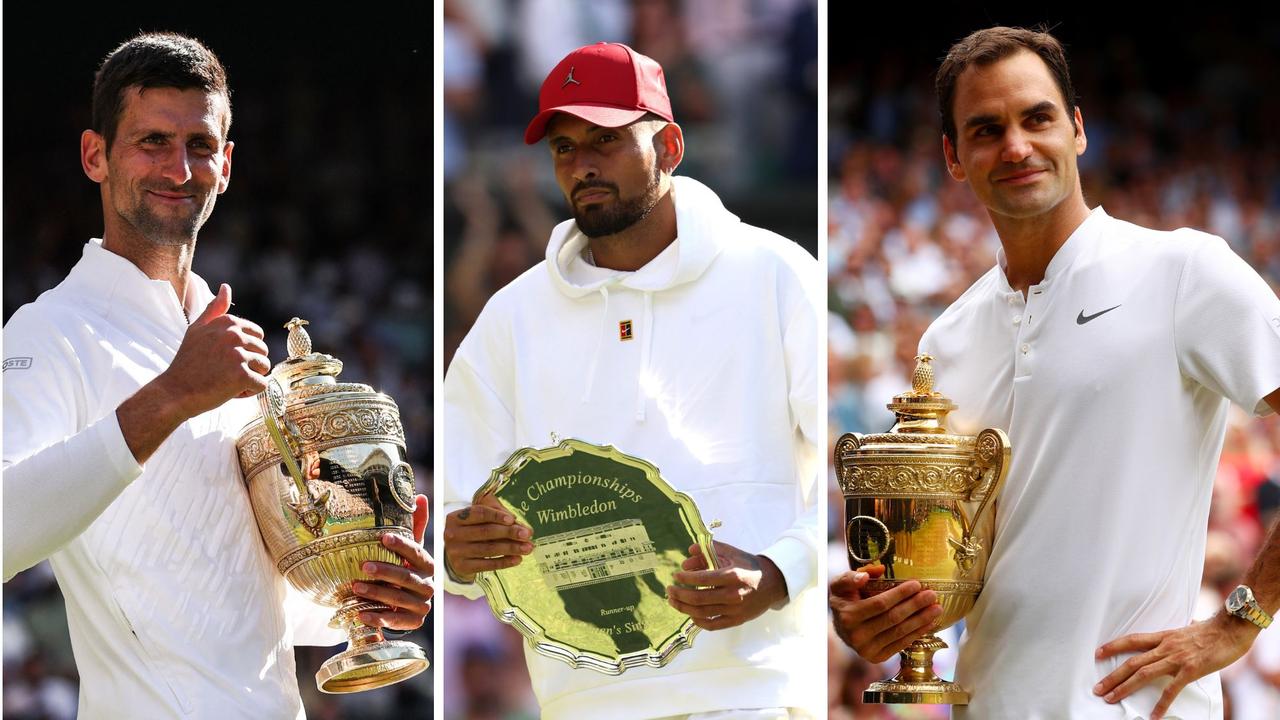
[1112, 379]
[174, 607]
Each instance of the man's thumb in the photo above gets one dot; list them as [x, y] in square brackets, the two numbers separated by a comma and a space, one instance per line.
[219, 305]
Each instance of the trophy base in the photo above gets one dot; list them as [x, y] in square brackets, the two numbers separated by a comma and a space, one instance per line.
[915, 683]
[371, 666]
[936, 693]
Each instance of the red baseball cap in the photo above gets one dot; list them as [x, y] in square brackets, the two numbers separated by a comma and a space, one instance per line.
[607, 84]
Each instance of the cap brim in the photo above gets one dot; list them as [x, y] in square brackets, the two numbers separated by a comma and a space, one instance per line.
[603, 116]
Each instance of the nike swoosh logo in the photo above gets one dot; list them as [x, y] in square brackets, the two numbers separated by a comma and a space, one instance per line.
[1082, 318]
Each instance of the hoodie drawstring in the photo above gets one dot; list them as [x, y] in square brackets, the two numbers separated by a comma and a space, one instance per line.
[646, 328]
[595, 356]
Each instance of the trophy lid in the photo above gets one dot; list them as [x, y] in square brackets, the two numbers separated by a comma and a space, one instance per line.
[921, 409]
[303, 366]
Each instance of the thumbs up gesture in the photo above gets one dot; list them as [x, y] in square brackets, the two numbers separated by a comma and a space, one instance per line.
[221, 357]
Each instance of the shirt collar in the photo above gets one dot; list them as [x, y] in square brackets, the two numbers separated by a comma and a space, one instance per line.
[1085, 235]
[113, 282]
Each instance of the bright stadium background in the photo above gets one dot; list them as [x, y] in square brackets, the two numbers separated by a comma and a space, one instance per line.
[743, 83]
[1179, 108]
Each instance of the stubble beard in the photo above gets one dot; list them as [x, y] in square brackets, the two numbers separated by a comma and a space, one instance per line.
[599, 221]
[161, 231]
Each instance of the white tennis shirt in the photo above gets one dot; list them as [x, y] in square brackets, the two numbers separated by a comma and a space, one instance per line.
[175, 608]
[1113, 379]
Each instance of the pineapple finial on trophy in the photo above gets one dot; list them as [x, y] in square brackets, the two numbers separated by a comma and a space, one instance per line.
[299, 341]
[922, 377]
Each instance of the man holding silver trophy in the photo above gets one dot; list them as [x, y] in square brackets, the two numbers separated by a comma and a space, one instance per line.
[125, 387]
[1110, 352]
[663, 325]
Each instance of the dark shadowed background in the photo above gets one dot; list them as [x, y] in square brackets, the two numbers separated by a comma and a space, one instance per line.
[328, 217]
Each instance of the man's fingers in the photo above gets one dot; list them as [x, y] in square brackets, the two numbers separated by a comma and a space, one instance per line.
[1136, 642]
[1122, 673]
[255, 362]
[701, 612]
[393, 597]
[718, 623]
[421, 516]
[250, 328]
[694, 563]
[219, 305]
[479, 514]
[413, 552]
[486, 532]
[903, 633]
[705, 578]
[473, 565]
[849, 584]
[492, 548]
[721, 596]
[1140, 677]
[249, 342]
[863, 610]
[393, 619]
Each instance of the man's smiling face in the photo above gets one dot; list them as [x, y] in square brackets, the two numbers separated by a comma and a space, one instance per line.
[1015, 144]
[168, 162]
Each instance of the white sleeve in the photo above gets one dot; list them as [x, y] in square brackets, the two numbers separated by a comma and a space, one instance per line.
[61, 470]
[796, 551]
[478, 434]
[1227, 326]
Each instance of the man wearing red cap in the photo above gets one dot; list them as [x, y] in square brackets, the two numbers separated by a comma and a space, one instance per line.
[661, 324]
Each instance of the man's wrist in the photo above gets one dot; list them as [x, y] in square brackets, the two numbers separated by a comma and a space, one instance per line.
[774, 581]
[148, 417]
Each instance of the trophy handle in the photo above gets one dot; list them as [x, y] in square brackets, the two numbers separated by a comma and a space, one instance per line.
[992, 452]
[310, 510]
[846, 446]
[850, 534]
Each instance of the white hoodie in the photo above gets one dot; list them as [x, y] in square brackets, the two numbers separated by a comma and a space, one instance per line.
[719, 387]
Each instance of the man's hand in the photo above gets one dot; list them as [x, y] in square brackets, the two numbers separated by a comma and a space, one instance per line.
[405, 588]
[221, 357]
[880, 626]
[1186, 654]
[483, 536]
[742, 588]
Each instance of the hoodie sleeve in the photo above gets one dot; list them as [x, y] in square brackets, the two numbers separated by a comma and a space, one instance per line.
[796, 551]
[478, 434]
[53, 457]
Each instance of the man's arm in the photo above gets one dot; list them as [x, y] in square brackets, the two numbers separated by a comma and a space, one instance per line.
[58, 478]
[1192, 652]
[744, 586]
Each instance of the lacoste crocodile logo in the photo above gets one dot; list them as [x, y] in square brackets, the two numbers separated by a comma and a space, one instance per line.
[1082, 318]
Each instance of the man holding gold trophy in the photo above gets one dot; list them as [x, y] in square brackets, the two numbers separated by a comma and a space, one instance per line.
[657, 369]
[1109, 353]
[125, 387]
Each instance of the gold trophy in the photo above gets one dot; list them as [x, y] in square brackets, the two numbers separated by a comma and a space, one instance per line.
[327, 477]
[919, 503]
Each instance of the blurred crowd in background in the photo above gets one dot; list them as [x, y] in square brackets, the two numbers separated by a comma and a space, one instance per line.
[327, 217]
[1180, 134]
[742, 76]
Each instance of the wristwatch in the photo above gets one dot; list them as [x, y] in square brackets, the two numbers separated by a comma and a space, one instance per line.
[1241, 604]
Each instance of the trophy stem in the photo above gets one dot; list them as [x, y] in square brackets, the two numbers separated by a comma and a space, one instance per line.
[370, 661]
[916, 683]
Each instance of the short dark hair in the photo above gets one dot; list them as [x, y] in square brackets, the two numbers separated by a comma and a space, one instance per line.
[988, 46]
[152, 60]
